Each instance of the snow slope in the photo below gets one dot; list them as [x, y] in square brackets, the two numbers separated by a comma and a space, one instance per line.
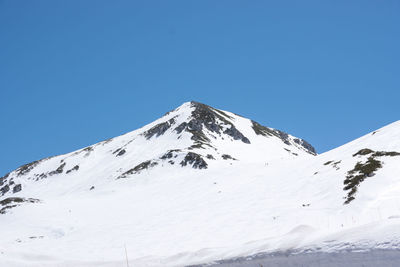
[197, 186]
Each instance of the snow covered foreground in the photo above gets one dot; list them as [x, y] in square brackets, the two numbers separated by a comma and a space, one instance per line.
[198, 186]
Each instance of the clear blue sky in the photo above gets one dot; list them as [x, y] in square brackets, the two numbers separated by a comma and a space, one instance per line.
[73, 73]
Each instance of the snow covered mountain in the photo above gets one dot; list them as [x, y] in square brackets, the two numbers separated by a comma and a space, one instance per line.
[201, 185]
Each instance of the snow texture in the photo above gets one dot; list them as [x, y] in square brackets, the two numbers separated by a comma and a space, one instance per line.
[204, 186]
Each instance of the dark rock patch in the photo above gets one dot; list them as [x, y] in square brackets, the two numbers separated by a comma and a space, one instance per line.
[226, 157]
[159, 129]
[117, 150]
[265, 131]
[137, 169]
[195, 160]
[4, 189]
[309, 148]
[363, 152]
[59, 170]
[75, 168]
[215, 121]
[236, 135]
[170, 154]
[12, 202]
[88, 150]
[367, 151]
[361, 171]
[17, 188]
[24, 169]
[120, 153]
[386, 153]
[42, 176]
[357, 175]
[209, 156]
[335, 165]
[3, 179]
[262, 130]
[284, 137]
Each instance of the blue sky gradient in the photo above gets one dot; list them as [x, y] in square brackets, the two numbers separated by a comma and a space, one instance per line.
[73, 73]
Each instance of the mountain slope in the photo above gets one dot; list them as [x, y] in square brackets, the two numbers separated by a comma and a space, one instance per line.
[196, 186]
[194, 134]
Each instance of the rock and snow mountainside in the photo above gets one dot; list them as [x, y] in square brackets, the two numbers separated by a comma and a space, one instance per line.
[201, 185]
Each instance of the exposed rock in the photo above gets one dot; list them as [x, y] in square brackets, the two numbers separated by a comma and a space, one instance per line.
[170, 154]
[236, 135]
[120, 153]
[306, 145]
[386, 153]
[283, 136]
[116, 151]
[226, 157]
[17, 188]
[24, 169]
[357, 175]
[159, 129]
[363, 152]
[265, 131]
[367, 151]
[59, 170]
[4, 189]
[88, 150]
[262, 130]
[361, 171]
[3, 179]
[137, 169]
[195, 160]
[75, 168]
[213, 120]
[209, 156]
[12, 202]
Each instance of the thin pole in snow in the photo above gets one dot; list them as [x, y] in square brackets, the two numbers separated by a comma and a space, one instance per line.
[126, 254]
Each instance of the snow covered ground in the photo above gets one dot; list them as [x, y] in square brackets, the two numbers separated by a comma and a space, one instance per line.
[195, 188]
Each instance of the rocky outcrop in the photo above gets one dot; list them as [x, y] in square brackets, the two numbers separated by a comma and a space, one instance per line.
[138, 168]
[17, 188]
[12, 202]
[362, 171]
[215, 121]
[159, 129]
[75, 168]
[195, 160]
[268, 132]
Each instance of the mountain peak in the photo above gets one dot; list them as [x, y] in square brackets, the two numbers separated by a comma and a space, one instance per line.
[179, 175]
[193, 135]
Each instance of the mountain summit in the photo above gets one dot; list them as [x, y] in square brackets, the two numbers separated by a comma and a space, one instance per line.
[192, 135]
[197, 186]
